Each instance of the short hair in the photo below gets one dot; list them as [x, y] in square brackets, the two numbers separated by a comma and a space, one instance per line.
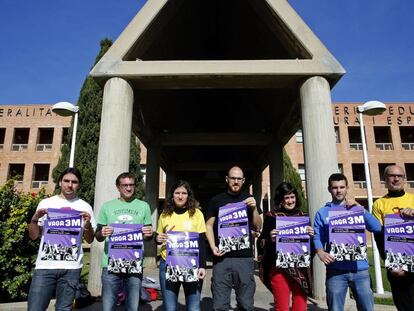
[234, 167]
[283, 189]
[337, 177]
[71, 170]
[124, 175]
[389, 167]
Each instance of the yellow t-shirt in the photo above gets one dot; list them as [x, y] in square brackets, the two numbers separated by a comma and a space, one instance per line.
[385, 205]
[181, 222]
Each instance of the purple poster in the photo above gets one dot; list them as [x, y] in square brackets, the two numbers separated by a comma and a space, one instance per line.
[399, 242]
[233, 227]
[182, 260]
[292, 242]
[62, 238]
[125, 249]
[347, 240]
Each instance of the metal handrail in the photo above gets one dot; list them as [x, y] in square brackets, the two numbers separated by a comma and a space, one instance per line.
[19, 147]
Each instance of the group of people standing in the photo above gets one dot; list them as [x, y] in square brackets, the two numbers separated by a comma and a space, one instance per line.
[233, 257]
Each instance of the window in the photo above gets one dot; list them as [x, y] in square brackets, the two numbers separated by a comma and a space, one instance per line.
[337, 136]
[407, 137]
[340, 168]
[354, 134]
[144, 171]
[65, 136]
[2, 136]
[383, 140]
[40, 175]
[299, 137]
[301, 171]
[409, 171]
[20, 139]
[16, 170]
[358, 175]
[44, 139]
[381, 169]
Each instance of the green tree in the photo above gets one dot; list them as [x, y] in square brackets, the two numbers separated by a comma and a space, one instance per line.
[292, 177]
[17, 251]
[90, 106]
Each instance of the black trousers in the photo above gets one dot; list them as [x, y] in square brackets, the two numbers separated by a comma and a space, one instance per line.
[402, 291]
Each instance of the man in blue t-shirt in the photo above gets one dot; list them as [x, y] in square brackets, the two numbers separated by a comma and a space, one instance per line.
[341, 274]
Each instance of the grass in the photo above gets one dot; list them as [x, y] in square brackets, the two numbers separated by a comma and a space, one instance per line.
[385, 282]
[85, 268]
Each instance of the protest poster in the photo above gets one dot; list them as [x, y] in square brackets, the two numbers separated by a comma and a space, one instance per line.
[182, 262]
[125, 249]
[233, 227]
[399, 242]
[63, 235]
[292, 242]
[347, 239]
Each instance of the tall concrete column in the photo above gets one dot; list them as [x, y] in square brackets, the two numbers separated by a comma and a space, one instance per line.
[320, 155]
[152, 185]
[276, 171]
[113, 158]
[257, 189]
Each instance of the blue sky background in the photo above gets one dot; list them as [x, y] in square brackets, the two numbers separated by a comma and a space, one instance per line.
[48, 46]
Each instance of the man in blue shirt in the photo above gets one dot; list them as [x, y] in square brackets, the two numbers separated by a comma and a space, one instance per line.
[341, 274]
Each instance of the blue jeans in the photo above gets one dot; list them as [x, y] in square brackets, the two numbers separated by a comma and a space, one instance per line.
[337, 282]
[170, 290]
[111, 285]
[45, 282]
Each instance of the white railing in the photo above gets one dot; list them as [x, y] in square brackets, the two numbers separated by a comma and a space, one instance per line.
[39, 184]
[355, 146]
[384, 146]
[44, 147]
[19, 147]
[1, 146]
[360, 184]
[407, 146]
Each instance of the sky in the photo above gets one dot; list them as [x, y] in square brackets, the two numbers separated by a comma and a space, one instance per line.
[49, 46]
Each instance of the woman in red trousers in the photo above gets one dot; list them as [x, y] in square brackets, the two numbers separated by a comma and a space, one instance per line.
[286, 281]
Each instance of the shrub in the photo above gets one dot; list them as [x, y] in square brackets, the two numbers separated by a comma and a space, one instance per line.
[17, 251]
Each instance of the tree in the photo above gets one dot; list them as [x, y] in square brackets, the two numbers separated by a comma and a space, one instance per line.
[87, 142]
[17, 251]
[292, 177]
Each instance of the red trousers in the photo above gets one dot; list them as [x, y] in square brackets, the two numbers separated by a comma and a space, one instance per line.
[282, 286]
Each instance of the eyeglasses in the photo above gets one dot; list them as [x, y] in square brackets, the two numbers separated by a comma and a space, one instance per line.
[124, 186]
[395, 175]
[236, 178]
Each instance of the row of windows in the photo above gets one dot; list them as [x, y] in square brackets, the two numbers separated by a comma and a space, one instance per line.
[40, 175]
[44, 141]
[383, 138]
[358, 173]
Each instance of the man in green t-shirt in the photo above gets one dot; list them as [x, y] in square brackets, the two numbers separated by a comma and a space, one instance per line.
[124, 210]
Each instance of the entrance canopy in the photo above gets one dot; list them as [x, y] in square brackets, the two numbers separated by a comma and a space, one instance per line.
[216, 82]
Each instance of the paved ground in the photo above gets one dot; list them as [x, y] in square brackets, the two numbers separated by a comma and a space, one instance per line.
[263, 300]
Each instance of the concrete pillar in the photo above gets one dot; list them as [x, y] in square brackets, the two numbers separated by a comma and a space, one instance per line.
[320, 156]
[257, 189]
[113, 158]
[276, 171]
[152, 185]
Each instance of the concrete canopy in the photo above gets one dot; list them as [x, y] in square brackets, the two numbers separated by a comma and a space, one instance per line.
[216, 82]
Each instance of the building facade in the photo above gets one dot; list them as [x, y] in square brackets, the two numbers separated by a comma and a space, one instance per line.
[31, 137]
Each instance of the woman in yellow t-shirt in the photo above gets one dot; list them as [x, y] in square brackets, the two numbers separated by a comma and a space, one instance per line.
[181, 214]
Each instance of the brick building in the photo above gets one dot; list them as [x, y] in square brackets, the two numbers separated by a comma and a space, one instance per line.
[31, 138]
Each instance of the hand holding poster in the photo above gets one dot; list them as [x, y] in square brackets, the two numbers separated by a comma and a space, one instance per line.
[292, 242]
[399, 242]
[233, 227]
[62, 238]
[125, 249]
[182, 262]
[347, 239]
